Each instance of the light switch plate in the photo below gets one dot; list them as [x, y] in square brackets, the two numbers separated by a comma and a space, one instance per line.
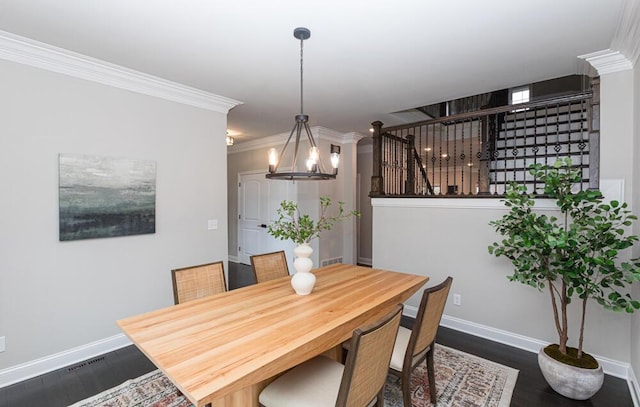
[212, 224]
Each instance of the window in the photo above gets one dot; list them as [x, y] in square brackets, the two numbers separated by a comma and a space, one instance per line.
[519, 95]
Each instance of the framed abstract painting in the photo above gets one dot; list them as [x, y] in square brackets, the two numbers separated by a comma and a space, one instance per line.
[106, 197]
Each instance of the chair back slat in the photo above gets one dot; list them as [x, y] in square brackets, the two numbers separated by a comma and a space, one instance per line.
[368, 362]
[191, 283]
[269, 266]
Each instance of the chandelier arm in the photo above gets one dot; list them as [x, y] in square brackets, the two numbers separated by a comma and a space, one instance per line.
[312, 141]
[284, 148]
[298, 128]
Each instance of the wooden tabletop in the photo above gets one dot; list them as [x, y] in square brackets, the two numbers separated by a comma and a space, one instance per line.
[227, 342]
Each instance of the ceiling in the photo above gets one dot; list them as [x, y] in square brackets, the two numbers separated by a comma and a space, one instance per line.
[365, 60]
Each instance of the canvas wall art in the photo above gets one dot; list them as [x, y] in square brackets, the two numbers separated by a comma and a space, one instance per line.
[106, 197]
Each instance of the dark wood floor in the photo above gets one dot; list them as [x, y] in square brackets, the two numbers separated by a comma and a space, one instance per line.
[66, 386]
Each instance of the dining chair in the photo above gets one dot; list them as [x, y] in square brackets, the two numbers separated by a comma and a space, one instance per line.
[191, 283]
[417, 344]
[322, 382]
[269, 266]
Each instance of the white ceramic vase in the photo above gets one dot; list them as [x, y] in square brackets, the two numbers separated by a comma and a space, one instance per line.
[303, 280]
[570, 381]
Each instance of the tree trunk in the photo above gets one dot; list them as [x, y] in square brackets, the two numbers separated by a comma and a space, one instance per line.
[562, 329]
[564, 337]
[582, 319]
[554, 306]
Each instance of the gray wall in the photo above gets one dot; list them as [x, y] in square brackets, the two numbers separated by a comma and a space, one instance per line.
[252, 160]
[635, 327]
[450, 237]
[365, 170]
[55, 296]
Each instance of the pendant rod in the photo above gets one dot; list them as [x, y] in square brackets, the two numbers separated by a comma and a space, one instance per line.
[302, 34]
[301, 76]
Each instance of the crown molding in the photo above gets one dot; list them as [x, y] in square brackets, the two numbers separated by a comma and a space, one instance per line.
[336, 136]
[626, 37]
[607, 61]
[44, 56]
[318, 132]
[352, 137]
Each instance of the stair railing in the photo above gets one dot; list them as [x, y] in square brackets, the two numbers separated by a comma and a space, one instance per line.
[477, 154]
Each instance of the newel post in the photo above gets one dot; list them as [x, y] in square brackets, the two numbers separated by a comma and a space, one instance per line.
[377, 185]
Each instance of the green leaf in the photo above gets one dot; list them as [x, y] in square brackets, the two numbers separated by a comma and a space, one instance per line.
[301, 228]
[579, 243]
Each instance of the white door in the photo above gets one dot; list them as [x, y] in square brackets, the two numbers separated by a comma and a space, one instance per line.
[258, 201]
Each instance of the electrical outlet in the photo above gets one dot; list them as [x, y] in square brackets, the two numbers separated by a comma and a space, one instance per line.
[457, 299]
[1, 343]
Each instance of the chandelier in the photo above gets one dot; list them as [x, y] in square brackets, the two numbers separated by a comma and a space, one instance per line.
[313, 168]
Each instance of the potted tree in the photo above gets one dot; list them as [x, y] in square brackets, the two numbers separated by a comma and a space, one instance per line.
[574, 255]
[301, 229]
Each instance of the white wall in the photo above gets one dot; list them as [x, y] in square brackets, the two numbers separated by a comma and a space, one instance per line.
[55, 296]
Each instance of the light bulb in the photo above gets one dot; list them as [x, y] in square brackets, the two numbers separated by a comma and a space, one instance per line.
[335, 157]
[273, 159]
[335, 160]
[312, 166]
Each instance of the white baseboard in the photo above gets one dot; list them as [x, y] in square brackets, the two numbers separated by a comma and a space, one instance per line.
[364, 260]
[611, 367]
[634, 389]
[60, 360]
[410, 311]
[233, 259]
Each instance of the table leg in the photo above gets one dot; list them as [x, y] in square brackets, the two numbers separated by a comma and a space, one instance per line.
[335, 353]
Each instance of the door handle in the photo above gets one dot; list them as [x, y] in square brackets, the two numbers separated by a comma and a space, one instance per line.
[263, 225]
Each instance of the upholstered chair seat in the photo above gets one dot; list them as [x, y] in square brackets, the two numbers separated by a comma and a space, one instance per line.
[323, 382]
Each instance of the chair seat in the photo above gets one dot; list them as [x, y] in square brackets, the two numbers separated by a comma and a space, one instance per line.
[314, 383]
[400, 348]
[323, 382]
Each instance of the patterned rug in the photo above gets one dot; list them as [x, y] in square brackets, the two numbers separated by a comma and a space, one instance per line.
[462, 380]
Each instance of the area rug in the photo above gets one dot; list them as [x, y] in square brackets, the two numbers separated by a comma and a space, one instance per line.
[462, 380]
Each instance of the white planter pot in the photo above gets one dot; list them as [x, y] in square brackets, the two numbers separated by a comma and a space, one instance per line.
[303, 280]
[570, 381]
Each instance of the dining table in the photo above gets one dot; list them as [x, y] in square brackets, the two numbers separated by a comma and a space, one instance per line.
[222, 350]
